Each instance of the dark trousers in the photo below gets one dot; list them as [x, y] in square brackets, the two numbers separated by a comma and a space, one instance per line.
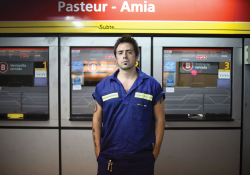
[126, 168]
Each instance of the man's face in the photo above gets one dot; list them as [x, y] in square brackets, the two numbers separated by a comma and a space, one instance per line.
[125, 56]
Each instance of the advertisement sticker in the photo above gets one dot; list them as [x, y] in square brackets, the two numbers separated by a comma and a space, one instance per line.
[223, 83]
[170, 80]
[40, 72]
[223, 74]
[77, 66]
[40, 81]
[169, 66]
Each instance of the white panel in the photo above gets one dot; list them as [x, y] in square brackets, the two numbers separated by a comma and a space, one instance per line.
[88, 41]
[145, 44]
[157, 63]
[78, 156]
[29, 152]
[65, 83]
[195, 152]
[237, 83]
[53, 83]
[49, 123]
[197, 42]
[222, 124]
[29, 41]
[246, 118]
[247, 54]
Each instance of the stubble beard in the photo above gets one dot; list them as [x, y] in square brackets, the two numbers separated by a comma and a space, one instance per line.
[125, 67]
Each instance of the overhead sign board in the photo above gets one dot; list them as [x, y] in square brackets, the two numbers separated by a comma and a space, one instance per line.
[168, 10]
[108, 16]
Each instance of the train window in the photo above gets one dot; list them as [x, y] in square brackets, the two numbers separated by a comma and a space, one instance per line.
[24, 84]
[197, 83]
[88, 67]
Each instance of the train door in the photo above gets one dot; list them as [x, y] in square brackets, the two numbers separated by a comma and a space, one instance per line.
[84, 62]
[202, 80]
[29, 105]
[246, 111]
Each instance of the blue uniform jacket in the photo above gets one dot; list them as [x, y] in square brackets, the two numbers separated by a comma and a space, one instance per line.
[128, 118]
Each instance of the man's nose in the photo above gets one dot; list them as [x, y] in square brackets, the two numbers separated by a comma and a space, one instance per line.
[124, 55]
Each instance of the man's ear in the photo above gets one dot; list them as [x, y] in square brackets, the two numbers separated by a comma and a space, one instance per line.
[137, 57]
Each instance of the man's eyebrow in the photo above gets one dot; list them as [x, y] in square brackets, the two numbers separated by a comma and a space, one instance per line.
[125, 50]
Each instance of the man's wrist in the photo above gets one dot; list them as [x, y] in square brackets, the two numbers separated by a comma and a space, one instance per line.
[97, 154]
[155, 153]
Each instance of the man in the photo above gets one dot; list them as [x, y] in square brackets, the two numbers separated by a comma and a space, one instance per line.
[128, 118]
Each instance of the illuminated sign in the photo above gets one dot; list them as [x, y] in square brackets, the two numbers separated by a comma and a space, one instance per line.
[40, 81]
[200, 67]
[223, 74]
[93, 67]
[24, 56]
[151, 10]
[227, 65]
[223, 83]
[89, 7]
[169, 66]
[17, 68]
[3, 67]
[109, 56]
[187, 66]
[170, 80]
[77, 66]
[201, 57]
[121, 16]
[40, 72]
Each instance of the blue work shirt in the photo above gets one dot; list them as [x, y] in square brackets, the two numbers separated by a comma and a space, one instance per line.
[128, 118]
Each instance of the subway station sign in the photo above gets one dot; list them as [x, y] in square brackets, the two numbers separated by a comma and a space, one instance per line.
[130, 16]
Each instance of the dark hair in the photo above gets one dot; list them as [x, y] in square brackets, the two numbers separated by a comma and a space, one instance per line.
[127, 39]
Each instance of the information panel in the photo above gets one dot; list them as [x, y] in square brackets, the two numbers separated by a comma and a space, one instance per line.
[197, 83]
[24, 83]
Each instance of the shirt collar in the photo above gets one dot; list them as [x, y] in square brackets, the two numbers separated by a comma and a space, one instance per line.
[141, 75]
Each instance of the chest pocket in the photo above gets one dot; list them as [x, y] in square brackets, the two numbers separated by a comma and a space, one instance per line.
[142, 107]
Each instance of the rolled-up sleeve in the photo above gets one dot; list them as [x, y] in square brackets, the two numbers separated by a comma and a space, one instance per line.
[96, 95]
[158, 93]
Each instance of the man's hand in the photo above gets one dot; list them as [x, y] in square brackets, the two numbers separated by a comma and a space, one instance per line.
[156, 153]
